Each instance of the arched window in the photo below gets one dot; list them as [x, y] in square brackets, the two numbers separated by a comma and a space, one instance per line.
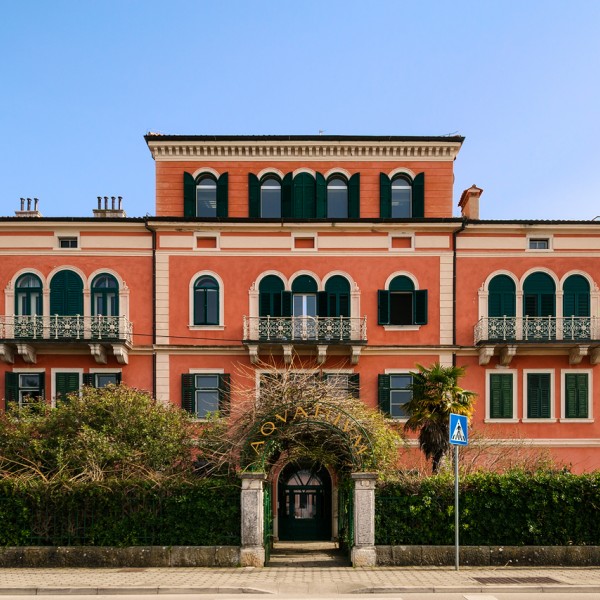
[206, 196]
[502, 297]
[576, 298]
[337, 198]
[66, 294]
[539, 293]
[335, 300]
[304, 196]
[206, 301]
[105, 296]
[401, 198]
[401, 304]
[28, 295]
[270, 198]
[271, 292]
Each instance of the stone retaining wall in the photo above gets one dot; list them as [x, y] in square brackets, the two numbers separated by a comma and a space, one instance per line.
[484, 556]
[134, 556]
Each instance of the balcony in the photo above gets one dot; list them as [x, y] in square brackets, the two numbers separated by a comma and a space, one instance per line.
[321, 332]
[578, 333]
[29, 332]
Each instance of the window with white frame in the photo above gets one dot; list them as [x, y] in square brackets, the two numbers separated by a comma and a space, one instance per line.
[205, 393]
[395, 391]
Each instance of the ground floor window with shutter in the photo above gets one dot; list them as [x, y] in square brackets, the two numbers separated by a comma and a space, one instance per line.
[21, 388]
[66, 383]
[343, 384]
[205, 393]
[100, 380]
[394, 392]
[501, 396]
[576, 395]
[539, 394]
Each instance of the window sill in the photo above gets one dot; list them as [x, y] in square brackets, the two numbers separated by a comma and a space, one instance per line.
[540, 420]
[511, 420]
[402, 327]
[206, 327]
[565, 420]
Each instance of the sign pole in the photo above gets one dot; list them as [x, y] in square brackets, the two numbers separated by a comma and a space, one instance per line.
[456, 541]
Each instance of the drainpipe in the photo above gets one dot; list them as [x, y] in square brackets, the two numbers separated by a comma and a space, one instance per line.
[153, 232]
[455, 234]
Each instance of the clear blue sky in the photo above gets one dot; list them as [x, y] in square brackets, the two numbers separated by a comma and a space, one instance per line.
[82, 81]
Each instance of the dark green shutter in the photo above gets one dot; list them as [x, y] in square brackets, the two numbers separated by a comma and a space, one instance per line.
[383, 307]
[418, 196]
[343, 306]
[547, 306]
[576, 400]
[224, 392]
[354, 385]
[354, 197]
[321, 201]
[89, 379]
[189, 195]
[538, 395]
[286, 304]
[501, 299]
[11, 388]
[539, 292]
[188, 395]
[264, 304]
[385, 196]
[420, 307]
[66, 294]
[253, 196]
[66, 383]
[501, 396]
[286, 196]
[222, 193]
[322, 308]
[576, 297]
[384, 393]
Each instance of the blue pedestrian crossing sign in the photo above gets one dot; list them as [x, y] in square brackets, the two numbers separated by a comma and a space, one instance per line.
[459, 434]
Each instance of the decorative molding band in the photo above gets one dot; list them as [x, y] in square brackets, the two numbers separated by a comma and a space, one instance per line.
[294, 151]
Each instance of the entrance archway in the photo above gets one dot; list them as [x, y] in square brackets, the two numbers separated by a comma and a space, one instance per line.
[304, 502]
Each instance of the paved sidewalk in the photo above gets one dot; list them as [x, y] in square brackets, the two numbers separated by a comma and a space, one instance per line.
[296, 580]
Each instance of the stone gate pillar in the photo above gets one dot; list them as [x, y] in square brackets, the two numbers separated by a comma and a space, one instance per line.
[363, 551]
[252, 552]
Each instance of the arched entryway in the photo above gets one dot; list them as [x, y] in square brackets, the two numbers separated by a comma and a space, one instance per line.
[304, 494]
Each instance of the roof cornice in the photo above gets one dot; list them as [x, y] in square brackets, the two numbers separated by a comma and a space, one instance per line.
[304, 148]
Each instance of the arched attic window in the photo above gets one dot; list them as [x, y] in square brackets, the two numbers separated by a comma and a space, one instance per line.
[205, 195]
[402, 197]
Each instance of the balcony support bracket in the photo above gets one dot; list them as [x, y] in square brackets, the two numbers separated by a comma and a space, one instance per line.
[253, 353]
[321, 354]
[28, 353]
[595, 356]
[7, 354]
[485, 354]
[287, 353]
[121, 353]
[99, 353]
[577, 353]
[506, 355]
[356, 350]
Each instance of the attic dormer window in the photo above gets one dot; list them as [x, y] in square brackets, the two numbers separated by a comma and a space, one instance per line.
[67, 242]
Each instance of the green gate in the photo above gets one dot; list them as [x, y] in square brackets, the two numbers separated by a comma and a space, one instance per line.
[346, 516]
[268, 521]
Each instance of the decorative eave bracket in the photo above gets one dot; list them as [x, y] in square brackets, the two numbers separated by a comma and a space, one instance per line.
[99, 353]
[28, 353]
[595, 356]
[7, 354]
[506, 355]
[356, 350]
[321, 354]
[121, 353]
[253, 353]
[485, 354]
[287, 353]
[577, 353]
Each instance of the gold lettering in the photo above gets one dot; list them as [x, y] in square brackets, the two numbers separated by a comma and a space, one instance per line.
[271, 425]
[255, 446]
[357, 440]
[284, 418]
[347, 425]
[361, 449]
[300, 410]
[317, 409]
[337, 419]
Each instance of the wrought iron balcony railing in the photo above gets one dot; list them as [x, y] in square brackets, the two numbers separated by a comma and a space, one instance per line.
[65, 328]
[536, 329]
[328, 330]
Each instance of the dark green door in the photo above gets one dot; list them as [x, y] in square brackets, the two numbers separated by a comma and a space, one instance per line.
[304, 503]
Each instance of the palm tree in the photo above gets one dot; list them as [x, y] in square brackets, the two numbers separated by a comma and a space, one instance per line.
[436, 394]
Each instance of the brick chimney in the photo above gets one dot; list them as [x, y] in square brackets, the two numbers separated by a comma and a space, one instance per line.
[112, 207]
[469, 202]
[29, 208]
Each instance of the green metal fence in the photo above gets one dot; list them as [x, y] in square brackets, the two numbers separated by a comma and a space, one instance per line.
[268, 522]
[346, 516]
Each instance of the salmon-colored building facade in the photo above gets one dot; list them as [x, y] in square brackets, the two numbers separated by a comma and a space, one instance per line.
[339, 253]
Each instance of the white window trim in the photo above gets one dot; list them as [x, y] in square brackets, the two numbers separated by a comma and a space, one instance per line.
[53, 373]
[563, 395]
[221, 325]
[397, 372]
[36, 370]
[203, 372]
[540, 236]
[393, 236]
[214, 235]
[207, 171]
[402, 327]
[313, 236]
[61, 234]
[513, 373]
[552, 418]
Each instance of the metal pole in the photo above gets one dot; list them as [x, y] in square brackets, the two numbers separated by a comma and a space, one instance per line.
[456, 558]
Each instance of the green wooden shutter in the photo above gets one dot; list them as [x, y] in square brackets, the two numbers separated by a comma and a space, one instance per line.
[253, 196]
[501, 299]
[547, 305]
[11, 388]
[343, 305]
[538, 395]
[322, 308]
[222, 194]
[420, 307]
[118, 378]
[418, 196]
[188, 395]
[576, 400]
[384, 393]
[88, 379]
[287, 196]
[501, 396]
[224, 392]
[286, 304]
[354, 385]
[66, 294]
[571, 396]
[189, 195]
[383, 307]
[385, 196]
[66, 383]
[582, 396]
[321, 197]
[354, 197]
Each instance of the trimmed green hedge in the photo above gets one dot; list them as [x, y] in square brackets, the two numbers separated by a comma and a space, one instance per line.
[205, 512]
[516, 509]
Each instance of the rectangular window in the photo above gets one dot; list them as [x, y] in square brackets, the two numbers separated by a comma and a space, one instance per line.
[205, 393]
[30, 387]
[344, 384]
[394, 393]
[100, 380]
[67, 242]
[402, 308]
[576, 396]
[501, 396]
[539, 396]
[539, 243]
[65, 384]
